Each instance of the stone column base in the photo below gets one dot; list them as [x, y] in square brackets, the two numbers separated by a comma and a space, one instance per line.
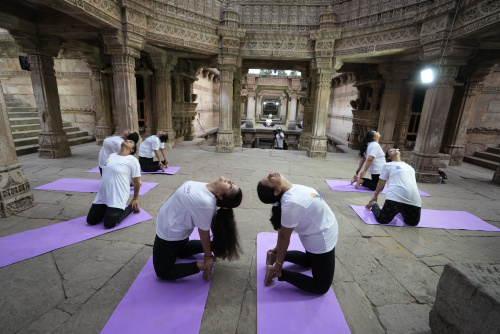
[304, 141]
[249, 124]
[317, 147]
[53, 145]
[496, 177]
[102, 132]
[225, 143]
[457, 154]
[237, 137]
[15, 191]
[426, 167]
[291, 125]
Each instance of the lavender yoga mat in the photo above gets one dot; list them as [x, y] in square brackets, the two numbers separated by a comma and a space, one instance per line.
[25, 245]
[450, 220]
[155, 306]
[88, 186]
[339, 185]
[283, 308]
[168, 170]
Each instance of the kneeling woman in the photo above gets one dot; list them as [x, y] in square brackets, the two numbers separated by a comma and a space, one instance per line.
[402, 192]
[118, 171]
[302, 209]
[194, 204]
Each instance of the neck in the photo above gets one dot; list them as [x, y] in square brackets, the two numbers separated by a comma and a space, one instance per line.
[124, 151]
[396, 159]
[285, 185]
[211, 187]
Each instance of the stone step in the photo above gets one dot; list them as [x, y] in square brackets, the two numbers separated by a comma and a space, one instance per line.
[481, 162]
[22, 109]
[34, 132]
[22, 114]
[74, 134]
[16, 104]
[488, 156]
[24, 127]
[23, 121]
[495, 150]
[27, 149]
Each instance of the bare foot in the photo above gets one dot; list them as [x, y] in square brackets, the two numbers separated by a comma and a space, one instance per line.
[369, 205]
[271, 258]
[207, 274]
[358, 183]
[269, 280]
[354, 179]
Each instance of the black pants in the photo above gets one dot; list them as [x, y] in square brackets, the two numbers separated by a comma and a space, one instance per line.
[410, 213]
[111, 216]
[100, 171]
[166, 252]
[371, 184]
[148, 165]
[322, 267]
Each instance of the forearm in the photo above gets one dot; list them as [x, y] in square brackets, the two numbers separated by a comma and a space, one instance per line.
[360, 165]
[282, 246]
[163, 153]
[157, 155]
[368, 164]
[380, 187]
[137, 186]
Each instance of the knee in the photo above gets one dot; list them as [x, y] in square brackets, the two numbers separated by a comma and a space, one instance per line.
[412, 222]
[110, 221]
[92, 220]
[383, 220]
[321, 290]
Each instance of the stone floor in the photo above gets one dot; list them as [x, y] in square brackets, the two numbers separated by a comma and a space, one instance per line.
[385, 278]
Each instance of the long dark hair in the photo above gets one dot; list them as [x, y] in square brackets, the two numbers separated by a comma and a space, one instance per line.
[368, 138]
[225, 241]
[266, 196]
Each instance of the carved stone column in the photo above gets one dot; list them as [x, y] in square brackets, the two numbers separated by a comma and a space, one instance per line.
[403, 116]
[124, 49]
[306, 124]
[237, 107]
[100, 98]
[41, 50]
[15, 192]
[259, 106]
[389, 111]
[438, 97]
[250, 109]
[292, 116]
[317, 146]
[151, 115]
[225, 137]
[164, 65]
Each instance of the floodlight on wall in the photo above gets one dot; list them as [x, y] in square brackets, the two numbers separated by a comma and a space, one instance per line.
[265, 102]
[277, 102]
[427, 75]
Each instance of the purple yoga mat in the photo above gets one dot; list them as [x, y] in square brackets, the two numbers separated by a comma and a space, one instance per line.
[339, 185]
[25, 245]
[169, 171]
[450, 220]
[88, 186]
[283, 308]
[155, 306]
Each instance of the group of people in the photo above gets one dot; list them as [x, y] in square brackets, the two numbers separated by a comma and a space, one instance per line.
[209, 208]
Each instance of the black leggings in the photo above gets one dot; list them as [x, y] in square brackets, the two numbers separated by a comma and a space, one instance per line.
[111, 216]
[371, 184]
[410, 213]
[166, 252]
[322, 267]
[148, 165]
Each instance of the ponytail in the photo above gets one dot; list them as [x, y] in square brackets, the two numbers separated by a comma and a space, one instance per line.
[367, 139]
[266, 195]
[225, 241]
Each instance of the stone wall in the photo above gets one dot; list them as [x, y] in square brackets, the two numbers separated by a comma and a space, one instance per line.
[16, 82]
[73, 83]
[204, 88]
[340, 110]
[484, 125]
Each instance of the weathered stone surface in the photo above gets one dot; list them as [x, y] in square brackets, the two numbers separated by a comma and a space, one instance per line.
[356, 308]
[29, 289]
[467, 299]
[404, 318]
[247, 322]
[47, 323]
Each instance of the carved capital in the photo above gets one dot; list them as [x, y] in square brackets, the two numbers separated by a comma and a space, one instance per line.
[36, 44]
[117, 42]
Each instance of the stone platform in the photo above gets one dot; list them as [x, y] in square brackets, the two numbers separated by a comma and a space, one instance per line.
[385, 280]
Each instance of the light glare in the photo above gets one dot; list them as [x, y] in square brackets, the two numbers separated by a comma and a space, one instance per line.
[427, 75]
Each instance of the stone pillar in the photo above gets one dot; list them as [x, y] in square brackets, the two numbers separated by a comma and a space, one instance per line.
[389, 109]
[403, 117]
[318, 143]
[496, 176]
[250, 109]
[150, 109]
[237, 107]
[306, 124]
[225, 139]
[164, 65]
[15, 192]
[124, 48]
[438, 97]
[292, 115]
[41, 50]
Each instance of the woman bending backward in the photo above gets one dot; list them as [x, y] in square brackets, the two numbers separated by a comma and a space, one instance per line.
[301, 209]
[373, 158]
[206, 206]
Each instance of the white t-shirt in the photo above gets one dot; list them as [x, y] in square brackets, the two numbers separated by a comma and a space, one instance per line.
[375, 151]
[279, 139]
[269, 122]
[401, 183]
[192, 205]
[109, 145]
[149, 146]
[117, 172]
[304, 210]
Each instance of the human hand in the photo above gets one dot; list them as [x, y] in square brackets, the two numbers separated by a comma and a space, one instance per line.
[271, 273]
[125, 133]
[208, 265]
[371, 203]
[135, 205]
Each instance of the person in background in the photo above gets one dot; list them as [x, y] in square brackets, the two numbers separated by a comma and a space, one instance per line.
[402, 192]
[278, 144]
[269, 120]
[151, 148]
[373, 158]
[113, 145]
